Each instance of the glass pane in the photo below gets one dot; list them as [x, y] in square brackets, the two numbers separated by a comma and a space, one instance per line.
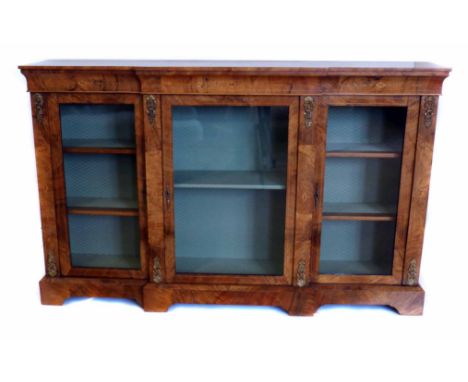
[372, 129]
[357, 247]
[230, 189]
[95, 182]
[361, 190]
[100, 180]
[85, 125]
[104, 241]
[361, 184]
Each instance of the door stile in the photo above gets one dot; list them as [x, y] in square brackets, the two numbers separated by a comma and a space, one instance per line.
[318, 184]
[167, 190]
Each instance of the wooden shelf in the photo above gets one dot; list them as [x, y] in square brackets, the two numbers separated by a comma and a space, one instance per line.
[102, 206]
[97, 150]
[85, 260]
[362, 154]
[98, 146]
[359, 211]
[220, 265]
[248, 180]
[361, 150]
[102, 211]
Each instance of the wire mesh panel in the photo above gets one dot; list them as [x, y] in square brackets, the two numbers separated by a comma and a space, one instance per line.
[361, 189]
[230, 189]
[365, 128]
[228, 231]
[357, 247]
[362, 180]
[101, 180]
[235, 138]
[101, 185]
[97, 125]
[104, 241]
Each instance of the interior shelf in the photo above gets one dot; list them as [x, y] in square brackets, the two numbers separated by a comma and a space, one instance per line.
[364, 150]
[359, 211]
[338, 267]
[102, 206]
[84, 260]
[231, 266]
[98, 146]
[108, 143]
[253, 180]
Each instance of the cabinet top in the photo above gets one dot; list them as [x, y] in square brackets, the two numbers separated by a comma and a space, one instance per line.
[347, 68]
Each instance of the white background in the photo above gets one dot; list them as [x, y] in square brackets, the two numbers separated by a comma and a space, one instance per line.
[93, 339]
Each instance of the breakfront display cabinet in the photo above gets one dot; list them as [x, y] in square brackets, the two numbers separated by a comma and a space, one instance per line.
[291, 184]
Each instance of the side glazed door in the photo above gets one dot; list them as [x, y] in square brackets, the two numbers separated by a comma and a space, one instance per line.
[228, 189]
[354, 187]
[98, 170]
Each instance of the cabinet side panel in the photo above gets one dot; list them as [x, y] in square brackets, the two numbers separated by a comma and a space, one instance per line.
[420, 193]
[40, 113]
[407, 171]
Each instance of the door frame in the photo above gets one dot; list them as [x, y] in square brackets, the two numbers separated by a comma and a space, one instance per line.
[168, 102]
[55, 100]
[311, 164]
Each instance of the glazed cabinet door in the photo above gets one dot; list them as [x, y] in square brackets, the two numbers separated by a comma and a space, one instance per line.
[98, 169]
[355, 178]
[228, 189]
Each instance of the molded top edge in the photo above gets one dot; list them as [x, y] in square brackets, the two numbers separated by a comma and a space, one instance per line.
[249, 67]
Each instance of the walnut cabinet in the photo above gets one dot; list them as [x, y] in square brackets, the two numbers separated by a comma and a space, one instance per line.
[291, 184]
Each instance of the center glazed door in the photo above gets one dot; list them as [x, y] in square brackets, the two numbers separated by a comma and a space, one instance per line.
[229, 186]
